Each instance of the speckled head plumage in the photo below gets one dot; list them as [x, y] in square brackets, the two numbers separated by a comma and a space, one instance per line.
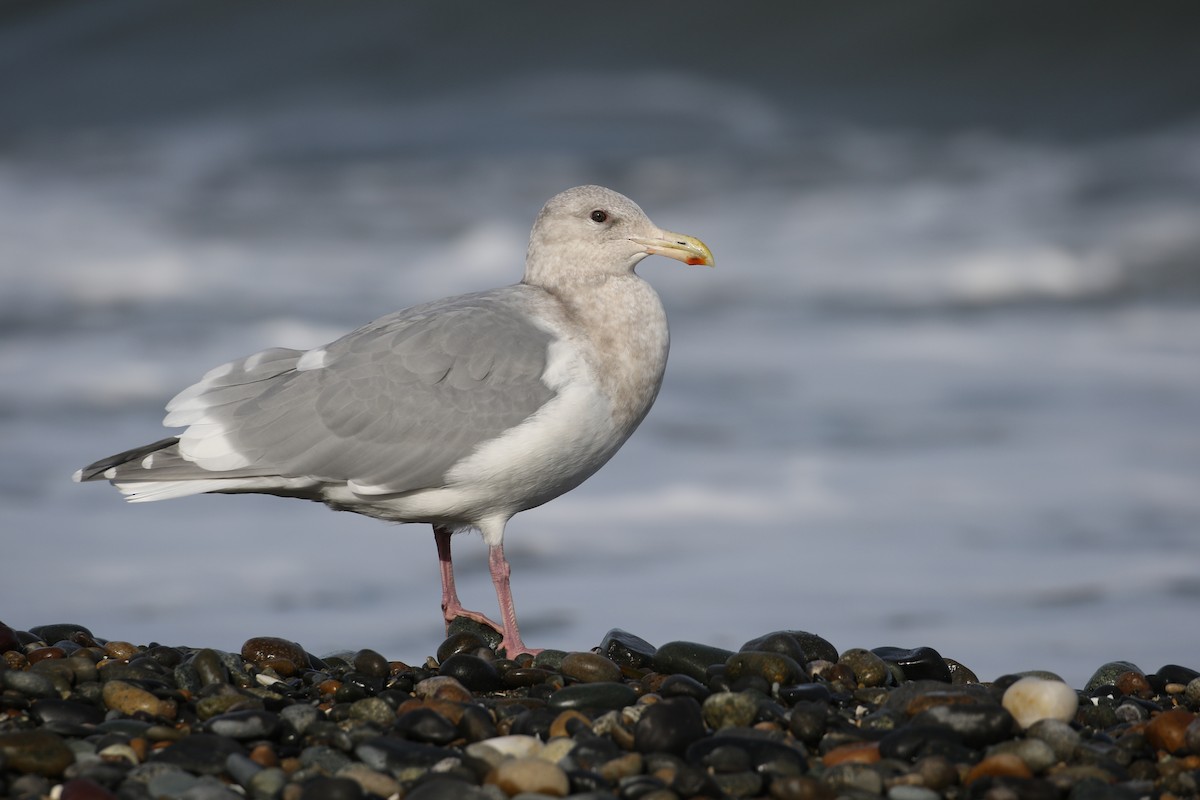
[592, 230]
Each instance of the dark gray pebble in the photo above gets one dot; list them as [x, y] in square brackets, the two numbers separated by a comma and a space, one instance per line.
[762, 752]
[426, 725]
[461, 642]
[801, 646]
[919, 663]
[688, 658]
[249, 724]
[601, 695]
[472, 672]
[371, 663]
[626, 649]
[62, 631]
[30, 684]
[323, 788]
[485, 633]
[684, 686]
[209, 667]
[384, 754]
[518, 677]
[976, 725]
[201, 753]
[669, 726]
[1108, 673]
[914, 742]
[66, 712]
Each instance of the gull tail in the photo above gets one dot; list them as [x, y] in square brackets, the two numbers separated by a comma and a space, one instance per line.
[158, 472]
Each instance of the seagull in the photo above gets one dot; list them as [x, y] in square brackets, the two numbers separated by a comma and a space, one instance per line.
[457, 413]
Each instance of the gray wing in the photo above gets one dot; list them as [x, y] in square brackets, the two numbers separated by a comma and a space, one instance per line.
[393, 405]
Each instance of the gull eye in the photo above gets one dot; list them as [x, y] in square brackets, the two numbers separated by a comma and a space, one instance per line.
[599, 216]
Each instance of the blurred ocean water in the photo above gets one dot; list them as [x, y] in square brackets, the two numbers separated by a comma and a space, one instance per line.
[942, 389]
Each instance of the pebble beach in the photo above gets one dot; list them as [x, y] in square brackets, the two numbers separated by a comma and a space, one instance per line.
[787, 716]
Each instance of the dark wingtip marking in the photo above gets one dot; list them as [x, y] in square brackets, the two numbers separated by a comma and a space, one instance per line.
[96, 471]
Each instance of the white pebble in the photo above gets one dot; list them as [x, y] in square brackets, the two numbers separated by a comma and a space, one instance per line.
[1032, 699]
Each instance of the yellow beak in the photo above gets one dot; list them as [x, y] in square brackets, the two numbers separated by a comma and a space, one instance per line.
[678, 246]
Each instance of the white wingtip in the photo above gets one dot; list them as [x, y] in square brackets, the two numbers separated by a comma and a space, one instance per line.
[77, 476]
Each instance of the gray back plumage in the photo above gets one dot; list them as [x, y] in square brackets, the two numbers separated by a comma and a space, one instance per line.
[394, 404]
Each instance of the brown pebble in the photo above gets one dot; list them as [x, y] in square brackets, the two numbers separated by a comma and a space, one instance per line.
[264, 651]
[590, 668]
[264, 755]
[853, 753]
[122, 651]
[329, 686]
[140, 748]
[129, 699]
[17, 660]
[999, 765]
[949, 697]
[290, 765]
[443, 687]
[447, 708]
[37, 752]
[621, 767]
[84, 789]
[44, 653]
[800, 787]
[1168, 730]
[1134, 684]
[566, 722]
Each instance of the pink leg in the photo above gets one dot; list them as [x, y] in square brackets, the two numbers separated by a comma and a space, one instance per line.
[451, 606]
[512, 644]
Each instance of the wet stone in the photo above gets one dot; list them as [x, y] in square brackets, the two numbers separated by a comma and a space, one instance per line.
[30, 684]
[426, 725]
[326, 788]
[590, 668]
[773, 668]
[53, 711]
[467, 642]
[472, 672]
[35, 752]
[60, 632]
[688, 658]
[518, 677]
[284, 656]
[625, 649]
[603, 695]
[249, 724]
[209, 667]
[373, 710]
[669, 726]
[868, 668]
[919, 663]
[730, 710]
[977, 726]
[371, 664]
[1108, 673]
[200, 753]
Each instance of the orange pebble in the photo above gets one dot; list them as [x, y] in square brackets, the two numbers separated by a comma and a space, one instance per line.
[852, 753]
[1168, 731]
[1001, 765]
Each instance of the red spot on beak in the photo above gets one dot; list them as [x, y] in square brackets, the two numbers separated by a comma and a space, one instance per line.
[695, 262]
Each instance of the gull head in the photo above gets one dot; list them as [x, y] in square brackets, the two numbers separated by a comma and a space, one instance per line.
[594, 231]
